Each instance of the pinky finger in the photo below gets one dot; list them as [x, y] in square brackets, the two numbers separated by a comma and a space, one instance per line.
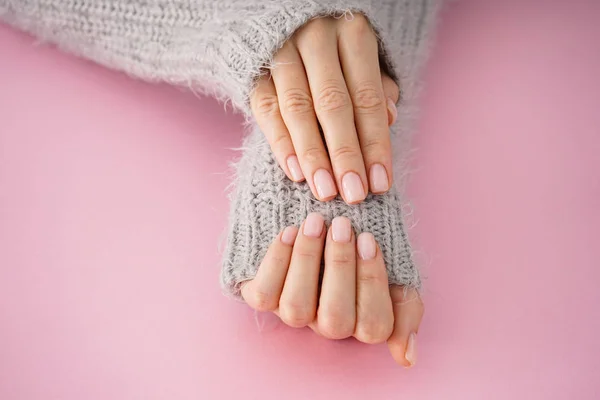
[265, 107]
[392, 95]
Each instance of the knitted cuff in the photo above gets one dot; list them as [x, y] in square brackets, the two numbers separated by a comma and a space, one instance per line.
[264, 201]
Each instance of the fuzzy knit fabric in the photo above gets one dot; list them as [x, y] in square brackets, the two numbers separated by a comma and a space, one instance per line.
[220, 47]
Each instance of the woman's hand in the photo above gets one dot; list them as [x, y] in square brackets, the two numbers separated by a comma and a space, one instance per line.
[354, 298]
[328, 75]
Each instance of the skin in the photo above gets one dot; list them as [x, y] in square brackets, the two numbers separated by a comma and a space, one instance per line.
[354, 300]
[328, 75]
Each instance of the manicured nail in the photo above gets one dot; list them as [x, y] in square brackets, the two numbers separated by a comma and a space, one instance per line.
[411, 349]
[341, 230]
[313, 226]
[393, 111]
[353, 187]
[294, 167]
[366, 246]
[324, 184]
[289, 235]
[379, 179]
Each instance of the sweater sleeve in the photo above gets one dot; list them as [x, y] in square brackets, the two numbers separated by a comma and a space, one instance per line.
[217, 47]
[220, 47]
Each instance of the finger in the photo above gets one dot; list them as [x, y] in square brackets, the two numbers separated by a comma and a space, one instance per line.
[392, 94]
[312, 325]
[296, 107]
[298, 302]
[265, 108]
[337, 304]
[359, 57]
[408, 312]
[333, 107]
[262, 293]
[375, 318]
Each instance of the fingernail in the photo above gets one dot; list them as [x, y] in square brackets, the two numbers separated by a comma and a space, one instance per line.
[393, 111]
[366, 246]
[289, 235]
[411, 349]
[353, 187]
[324, 184]
[341, 230]
[294, 167]
[313, 226]
[379, 179]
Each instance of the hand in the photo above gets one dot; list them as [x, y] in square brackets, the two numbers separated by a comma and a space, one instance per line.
[354, 300]
[328, 75]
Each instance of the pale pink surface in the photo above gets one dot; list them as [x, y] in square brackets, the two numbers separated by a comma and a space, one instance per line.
[112, 206]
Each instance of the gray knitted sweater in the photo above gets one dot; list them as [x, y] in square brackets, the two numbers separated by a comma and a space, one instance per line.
[220, 47]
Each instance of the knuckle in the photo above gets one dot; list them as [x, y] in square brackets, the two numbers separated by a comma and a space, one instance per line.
[317, 25]
[279, 141]
[332, 97]
[360, 23]
[336, 325]
[401, 295]
[372, 279]
[374, 144]
[261, 300]
[296, 315]
[297, 101]
[345, 152]
[312, 155]
[279, 261]
[373, 331]
[412, 297]
[267, 106]
[376, 148]
[368, 99]
[307, 256]
[314, 32]
[359, 28]
[341, 260]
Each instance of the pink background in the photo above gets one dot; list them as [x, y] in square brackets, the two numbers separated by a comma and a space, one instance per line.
[112, 208]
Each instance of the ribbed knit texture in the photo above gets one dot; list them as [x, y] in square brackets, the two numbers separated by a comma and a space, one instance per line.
[220, 47]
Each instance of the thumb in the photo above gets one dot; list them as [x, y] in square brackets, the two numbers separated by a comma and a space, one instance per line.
[408, 312]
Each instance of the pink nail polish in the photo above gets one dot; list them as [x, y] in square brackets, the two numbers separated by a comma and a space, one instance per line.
[341, 230]
[411, 349]
[379, 179]
[289, 235]
[366, 246]
[294, 167]
[352, 186]
[313, 226]
[324, 184]
[393, 111]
